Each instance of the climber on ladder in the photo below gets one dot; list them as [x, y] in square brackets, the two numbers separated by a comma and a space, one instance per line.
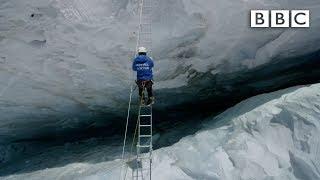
[143, 65]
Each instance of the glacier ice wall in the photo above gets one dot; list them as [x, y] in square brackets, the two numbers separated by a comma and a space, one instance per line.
[65, 65]
[270, 136]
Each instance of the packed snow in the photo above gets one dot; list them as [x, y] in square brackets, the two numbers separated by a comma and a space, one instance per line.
[65, 66]
[63, 63]
[270, 136]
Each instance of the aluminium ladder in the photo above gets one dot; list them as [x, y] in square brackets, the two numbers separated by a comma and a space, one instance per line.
[141, 164]
[142, 170]
[145, 25]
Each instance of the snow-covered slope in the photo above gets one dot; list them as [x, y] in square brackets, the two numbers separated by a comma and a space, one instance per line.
[270, 136]
[65, 65]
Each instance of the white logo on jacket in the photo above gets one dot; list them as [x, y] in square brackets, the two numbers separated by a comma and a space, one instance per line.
[144, 66]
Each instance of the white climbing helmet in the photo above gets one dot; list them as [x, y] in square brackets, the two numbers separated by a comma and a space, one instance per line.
[142, 50]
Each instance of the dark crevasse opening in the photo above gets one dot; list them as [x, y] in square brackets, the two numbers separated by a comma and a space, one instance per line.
[171, 123]
[71, 54]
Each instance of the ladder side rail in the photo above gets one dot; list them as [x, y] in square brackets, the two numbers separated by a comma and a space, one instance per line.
[151, 148]
[145, 40]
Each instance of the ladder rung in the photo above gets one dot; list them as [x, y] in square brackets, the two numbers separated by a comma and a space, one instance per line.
[144, 146]
[147, 11]
[145, 136]
[144, 158]
[144, 125]
[145, 42]
[145, 169]
[145, 115]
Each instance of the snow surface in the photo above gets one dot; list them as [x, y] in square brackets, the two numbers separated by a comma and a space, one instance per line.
[270, 136]
[63, 63]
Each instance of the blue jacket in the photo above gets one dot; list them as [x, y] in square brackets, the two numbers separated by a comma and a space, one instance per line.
[143, 65]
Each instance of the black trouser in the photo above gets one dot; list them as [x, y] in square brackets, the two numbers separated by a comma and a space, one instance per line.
[145, 84]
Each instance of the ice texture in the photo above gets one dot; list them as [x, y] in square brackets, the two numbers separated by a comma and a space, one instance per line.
[270, 136]
[65, 65]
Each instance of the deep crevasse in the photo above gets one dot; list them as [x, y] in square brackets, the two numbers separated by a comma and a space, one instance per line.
[270, 136]
[64, 63]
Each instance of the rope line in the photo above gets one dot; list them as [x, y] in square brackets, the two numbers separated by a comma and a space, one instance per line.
[126, 130]
[133, 142]
[130, 98]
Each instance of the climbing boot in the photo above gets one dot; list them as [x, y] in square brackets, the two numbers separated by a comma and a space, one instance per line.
[150, 101]
[142, 100]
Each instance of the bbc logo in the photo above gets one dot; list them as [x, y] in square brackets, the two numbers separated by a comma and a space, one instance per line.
[280, 18]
